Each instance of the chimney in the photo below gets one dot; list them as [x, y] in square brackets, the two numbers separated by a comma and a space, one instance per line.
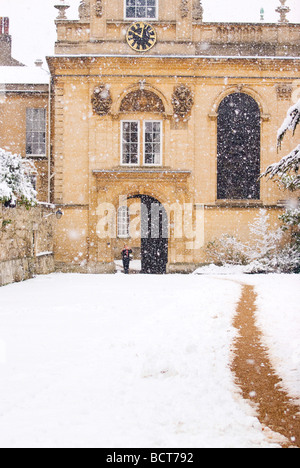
[38, 63]
[4, 26]
[6, 59]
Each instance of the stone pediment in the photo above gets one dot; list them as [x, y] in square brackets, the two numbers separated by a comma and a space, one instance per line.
[142, 101]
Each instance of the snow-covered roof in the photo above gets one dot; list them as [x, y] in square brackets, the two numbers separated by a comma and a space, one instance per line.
[23, 75]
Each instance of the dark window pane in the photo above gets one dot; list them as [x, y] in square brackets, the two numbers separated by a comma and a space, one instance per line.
[134, 126]
[148, 137]
[130, 12]
[141, 12]
[151, 13]
[148, 148]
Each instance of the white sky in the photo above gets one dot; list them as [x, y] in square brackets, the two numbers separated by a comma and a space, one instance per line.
[33, 30]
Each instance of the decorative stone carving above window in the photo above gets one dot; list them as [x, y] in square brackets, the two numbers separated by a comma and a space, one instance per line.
[142, 101]
[101, 100]
[284, 91]
[99, 8]
[84, 10]
[182, 101]
[184, 8]
[198, 11]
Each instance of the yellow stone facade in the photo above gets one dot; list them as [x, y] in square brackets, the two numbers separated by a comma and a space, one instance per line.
[210, 60]
[23, 89]
[15, 100]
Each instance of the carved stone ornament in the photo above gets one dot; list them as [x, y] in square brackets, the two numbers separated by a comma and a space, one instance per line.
[142, 101]
[99, 8]
[84, 10]
[101, 100]
[184, 8]
[284, 92]
[182, 101]
[198, 11]
[283, 10]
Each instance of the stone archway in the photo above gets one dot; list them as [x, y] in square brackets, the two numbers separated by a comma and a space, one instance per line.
[114, 186]
[154, 235]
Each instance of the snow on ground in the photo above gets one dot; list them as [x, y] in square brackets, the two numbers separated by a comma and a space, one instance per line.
[121, 361]
[278, 316]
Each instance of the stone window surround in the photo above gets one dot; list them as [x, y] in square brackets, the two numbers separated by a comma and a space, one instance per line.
[40, 119]
[141, 143]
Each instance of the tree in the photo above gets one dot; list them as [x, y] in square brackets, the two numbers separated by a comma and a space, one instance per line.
[266, 241]
[15, 180]
[286, 172]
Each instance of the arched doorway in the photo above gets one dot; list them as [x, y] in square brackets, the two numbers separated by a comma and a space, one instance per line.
[154, 236]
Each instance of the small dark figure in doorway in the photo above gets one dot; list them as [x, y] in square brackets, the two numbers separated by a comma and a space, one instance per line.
[126, 257]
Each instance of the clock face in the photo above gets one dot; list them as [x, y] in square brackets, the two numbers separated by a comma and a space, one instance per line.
[141, 37]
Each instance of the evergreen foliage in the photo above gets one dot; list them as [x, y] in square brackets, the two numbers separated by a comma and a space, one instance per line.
[15, 180]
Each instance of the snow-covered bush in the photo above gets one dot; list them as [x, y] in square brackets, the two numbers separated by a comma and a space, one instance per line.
[227, 251]
[266, 245]
[266, 241]
[15, 180]
[262, 249]
[291, 223]
[286, 173]
[267, 252]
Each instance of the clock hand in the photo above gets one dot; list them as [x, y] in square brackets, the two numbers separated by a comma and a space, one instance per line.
[140, 35]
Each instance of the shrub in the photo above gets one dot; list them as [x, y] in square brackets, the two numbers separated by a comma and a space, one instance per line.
[15, 180]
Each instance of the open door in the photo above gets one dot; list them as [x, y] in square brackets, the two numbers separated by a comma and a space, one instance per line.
[154, 236]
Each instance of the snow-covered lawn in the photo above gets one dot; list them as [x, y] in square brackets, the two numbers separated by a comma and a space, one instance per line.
[132, 361]
[278, 316]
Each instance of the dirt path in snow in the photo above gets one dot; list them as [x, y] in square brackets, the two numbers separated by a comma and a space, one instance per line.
[256, 377]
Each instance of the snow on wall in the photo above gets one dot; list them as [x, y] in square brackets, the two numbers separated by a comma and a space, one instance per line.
[26, 243]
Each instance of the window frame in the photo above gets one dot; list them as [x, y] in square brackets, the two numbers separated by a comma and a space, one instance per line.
[121, 220]
[44, 131]
[133, 18]
[141, 156]
[138, 143]
[144, 143]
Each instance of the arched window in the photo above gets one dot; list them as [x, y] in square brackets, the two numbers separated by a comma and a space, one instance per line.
[238, 148]
[123, 222]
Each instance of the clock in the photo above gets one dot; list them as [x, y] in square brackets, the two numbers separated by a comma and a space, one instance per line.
[141, 37]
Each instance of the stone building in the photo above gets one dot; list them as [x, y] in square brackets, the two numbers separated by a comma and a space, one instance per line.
[24, 96]
[160, 127]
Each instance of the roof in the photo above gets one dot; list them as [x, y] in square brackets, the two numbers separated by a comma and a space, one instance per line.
[23, 75]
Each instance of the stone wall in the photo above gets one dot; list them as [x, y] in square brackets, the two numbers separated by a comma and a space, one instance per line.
[26, 242]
